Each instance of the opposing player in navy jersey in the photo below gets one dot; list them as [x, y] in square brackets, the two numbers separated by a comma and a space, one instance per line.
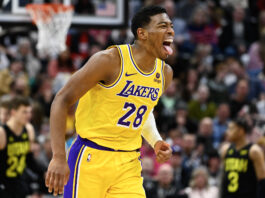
[243, 164]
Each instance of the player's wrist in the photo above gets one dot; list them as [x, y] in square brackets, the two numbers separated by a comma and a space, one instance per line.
[59, 156]
[157, 143]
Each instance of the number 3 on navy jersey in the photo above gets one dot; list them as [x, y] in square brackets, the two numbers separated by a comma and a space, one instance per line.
[139, 115]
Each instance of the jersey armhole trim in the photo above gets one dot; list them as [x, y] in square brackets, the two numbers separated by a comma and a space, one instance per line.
[137, 67]
[121, 70]
[163, 78]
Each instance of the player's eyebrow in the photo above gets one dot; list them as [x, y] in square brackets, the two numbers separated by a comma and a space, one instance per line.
[165, 23]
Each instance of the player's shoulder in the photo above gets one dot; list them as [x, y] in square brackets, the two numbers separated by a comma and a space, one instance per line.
[2, 130]
[224, 149]
[30, 131]
[255, 151]
[110, 55]
[168, 69]
[168, 73]
[2, 138]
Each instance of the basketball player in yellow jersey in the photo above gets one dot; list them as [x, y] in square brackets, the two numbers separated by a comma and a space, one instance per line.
[117, 90]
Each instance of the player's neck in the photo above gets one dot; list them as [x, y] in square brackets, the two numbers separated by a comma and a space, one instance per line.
[15, 126]
[143, 58]
[241, 142]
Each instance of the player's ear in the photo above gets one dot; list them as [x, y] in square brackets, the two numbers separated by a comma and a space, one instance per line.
[142, 34]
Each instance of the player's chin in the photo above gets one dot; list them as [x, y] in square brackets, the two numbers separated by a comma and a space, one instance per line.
[230, 139]
[163, 55]
[24, 122]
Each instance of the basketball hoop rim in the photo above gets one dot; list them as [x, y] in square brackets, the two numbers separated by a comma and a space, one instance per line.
[43, 12]
[57, 7]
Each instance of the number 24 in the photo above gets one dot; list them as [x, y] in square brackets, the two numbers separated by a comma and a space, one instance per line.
[139, 115]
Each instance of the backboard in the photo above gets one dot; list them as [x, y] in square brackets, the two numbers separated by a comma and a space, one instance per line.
[96, 13]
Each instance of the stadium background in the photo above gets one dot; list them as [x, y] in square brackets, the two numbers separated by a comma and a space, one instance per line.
[219, 74]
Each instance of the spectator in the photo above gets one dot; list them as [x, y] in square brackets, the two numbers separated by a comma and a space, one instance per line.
[220, 124]
[199, 185]
[25, 54]
[174, 137]
[175, 162]
[202, 60]
[239, 103]
[119, 37]
[190, 160]
[256, 55]
[166, 107]
[217, 86]
[182, 121]
[237, 72]
[4, 61]
[147, 168]
[213, 166]
[63, 64]
[186, 7]
[238, 33]
[45, 95]
[201, 107]
[179, 25]
[205, 136]
[200, 31]
[164, 187]
[190, 84]
[261, 107]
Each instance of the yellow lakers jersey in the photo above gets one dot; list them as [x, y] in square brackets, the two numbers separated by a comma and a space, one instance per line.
[113, 115]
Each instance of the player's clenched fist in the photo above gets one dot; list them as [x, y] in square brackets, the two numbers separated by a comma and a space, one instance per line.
[163, 151]
[57, 175]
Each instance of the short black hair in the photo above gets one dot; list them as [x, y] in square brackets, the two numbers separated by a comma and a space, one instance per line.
[143, 17]
[242, 123]
[5, 104]
[18, 101]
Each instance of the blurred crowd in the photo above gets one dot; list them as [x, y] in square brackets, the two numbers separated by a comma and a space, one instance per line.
[219, 74]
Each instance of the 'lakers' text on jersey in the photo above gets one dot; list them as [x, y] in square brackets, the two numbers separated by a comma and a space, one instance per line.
[113, 115]
[13, 157]
[239, 174]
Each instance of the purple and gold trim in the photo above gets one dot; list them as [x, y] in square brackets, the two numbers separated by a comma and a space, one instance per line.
[135, 65]
[120, 74]
[162, 75]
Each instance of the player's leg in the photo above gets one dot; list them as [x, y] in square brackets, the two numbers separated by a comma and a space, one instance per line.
[128, 182]
[84, 180]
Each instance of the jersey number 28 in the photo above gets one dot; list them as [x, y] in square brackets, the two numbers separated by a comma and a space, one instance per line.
[132, 109]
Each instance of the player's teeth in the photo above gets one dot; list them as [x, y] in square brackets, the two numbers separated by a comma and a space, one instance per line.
[170, 40]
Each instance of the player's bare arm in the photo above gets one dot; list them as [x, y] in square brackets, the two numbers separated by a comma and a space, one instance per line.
[162, 149]
[30, 131]
[224, 149]
[31, 134]
[103, 66]
[2, 138]
[257, 156]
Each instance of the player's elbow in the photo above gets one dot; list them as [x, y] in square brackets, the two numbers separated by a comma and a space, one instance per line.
[62, 100]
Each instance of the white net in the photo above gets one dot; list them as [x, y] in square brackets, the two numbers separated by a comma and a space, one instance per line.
[53, 22]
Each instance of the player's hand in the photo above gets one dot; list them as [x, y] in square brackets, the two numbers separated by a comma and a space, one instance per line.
[163, 151]
[57, 175]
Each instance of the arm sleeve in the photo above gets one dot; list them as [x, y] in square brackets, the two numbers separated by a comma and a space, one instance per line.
[150, 132]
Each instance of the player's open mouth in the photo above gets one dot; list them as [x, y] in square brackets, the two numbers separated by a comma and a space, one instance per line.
[167, 46]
